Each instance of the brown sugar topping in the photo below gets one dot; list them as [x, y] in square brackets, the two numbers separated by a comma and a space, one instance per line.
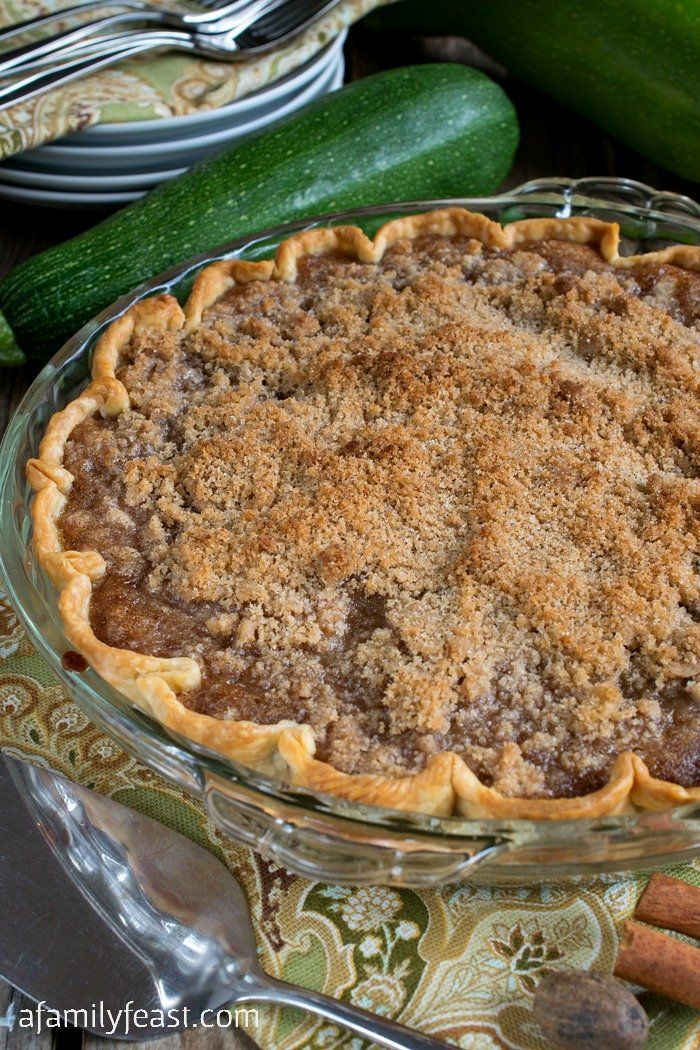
[444, 502]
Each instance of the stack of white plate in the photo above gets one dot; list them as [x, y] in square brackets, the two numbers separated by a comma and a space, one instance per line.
[110, 164]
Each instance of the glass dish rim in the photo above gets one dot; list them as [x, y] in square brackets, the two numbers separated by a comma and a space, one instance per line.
[572, 196]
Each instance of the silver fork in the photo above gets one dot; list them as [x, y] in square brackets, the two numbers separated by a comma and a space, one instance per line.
[234, 16]
[85, 57]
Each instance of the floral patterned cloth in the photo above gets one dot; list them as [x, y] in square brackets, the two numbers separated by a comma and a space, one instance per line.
[153, 88]
[461, 963]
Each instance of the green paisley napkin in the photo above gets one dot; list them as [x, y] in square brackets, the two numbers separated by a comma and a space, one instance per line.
[151, 88]
[461, 963]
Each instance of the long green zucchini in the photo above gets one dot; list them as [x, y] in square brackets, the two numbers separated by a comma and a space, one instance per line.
[631, 66]
[424, 131]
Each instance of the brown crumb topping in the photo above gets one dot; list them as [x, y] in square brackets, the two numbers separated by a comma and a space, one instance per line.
[445, 502]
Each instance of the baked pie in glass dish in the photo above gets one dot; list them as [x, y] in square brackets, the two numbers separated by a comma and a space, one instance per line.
[410, 520]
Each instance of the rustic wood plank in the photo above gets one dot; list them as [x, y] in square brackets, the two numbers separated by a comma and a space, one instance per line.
[13, 384]
[192, 1039]
[16, 1034]
[7, 1012]
[93, 1042]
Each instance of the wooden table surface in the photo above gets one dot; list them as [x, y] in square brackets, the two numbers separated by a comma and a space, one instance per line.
[553, 142]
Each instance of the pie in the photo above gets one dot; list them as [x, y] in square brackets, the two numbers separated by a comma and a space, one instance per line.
[412, 520]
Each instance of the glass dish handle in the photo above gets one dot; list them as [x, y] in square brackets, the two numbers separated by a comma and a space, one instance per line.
[316, 848]
[629, 193]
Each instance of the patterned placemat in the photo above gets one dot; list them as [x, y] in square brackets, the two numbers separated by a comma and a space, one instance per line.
[157, 87]
[461, 963]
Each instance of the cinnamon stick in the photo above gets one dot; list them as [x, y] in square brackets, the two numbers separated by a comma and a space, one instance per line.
[670, 903]
[660, 963]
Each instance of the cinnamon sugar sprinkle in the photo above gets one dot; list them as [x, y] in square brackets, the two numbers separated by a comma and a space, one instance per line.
[445, 502]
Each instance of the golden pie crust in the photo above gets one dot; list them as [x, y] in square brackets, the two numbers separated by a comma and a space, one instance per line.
[446, 785]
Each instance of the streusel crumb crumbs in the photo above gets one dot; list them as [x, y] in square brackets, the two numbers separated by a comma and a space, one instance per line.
[446, 502]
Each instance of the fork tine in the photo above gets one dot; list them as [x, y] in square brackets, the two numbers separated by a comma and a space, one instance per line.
[282, 18]
[280, 13]
[214, 5]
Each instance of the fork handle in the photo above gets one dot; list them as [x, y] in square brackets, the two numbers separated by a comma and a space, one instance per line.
[38, 83]
[18, 58]
[40, 21]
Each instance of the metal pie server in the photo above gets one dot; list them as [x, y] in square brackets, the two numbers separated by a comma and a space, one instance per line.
[103, 904]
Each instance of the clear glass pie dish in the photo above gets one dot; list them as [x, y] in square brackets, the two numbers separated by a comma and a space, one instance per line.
[321, 836]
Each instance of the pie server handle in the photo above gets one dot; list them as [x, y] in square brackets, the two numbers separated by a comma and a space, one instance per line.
[375, 1028]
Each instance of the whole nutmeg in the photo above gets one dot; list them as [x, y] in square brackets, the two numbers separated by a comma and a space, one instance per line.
[577, 1010]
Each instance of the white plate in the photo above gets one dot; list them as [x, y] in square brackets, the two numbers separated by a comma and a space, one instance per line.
[86, 183]
[174, 127]
[177, 153]
[49, 198]
[64, 197]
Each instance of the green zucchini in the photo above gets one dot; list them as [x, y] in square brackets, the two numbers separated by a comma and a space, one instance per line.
[425, 131]
[631, 66]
